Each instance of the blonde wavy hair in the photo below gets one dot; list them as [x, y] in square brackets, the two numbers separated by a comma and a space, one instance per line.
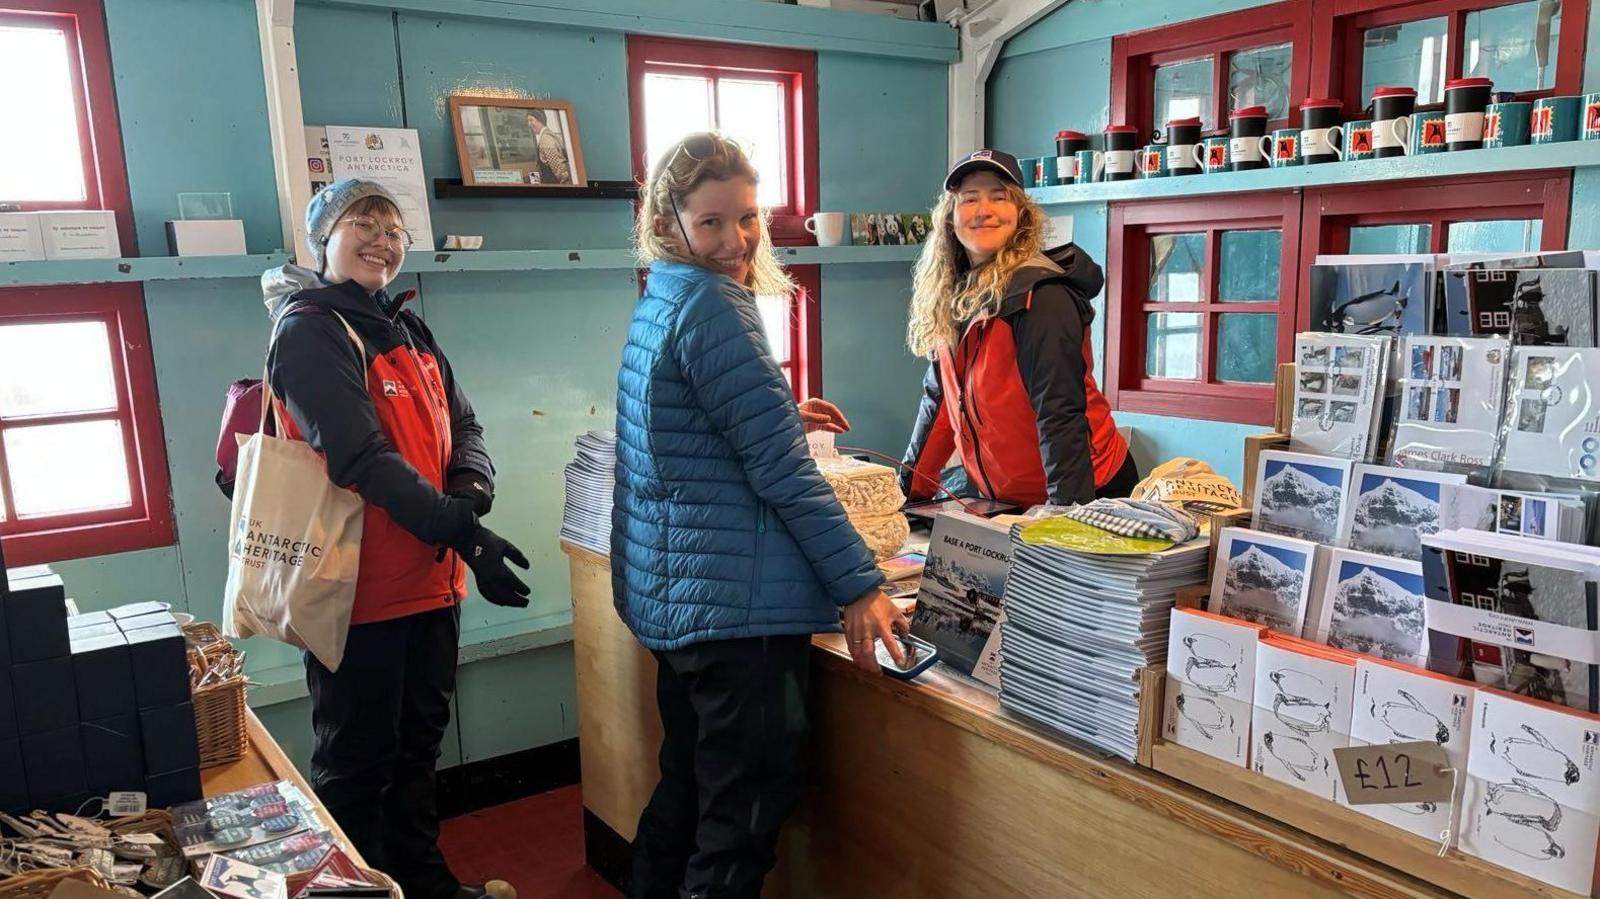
[947, 291]
[687, 164]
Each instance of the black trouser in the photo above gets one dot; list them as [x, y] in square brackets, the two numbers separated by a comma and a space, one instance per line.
[378, 722]
[1122, 483]
[734, 717]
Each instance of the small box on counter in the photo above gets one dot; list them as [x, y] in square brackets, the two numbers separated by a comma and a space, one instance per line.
[45, 695]
[89, 619]
[80, 234]
[172, 788]
[54, 764]
[206, 237]
[13, 779]
[36, 617]
[170, 743]
[21, 237]
[160, 665]
[103, 672]
[85, 631]
[113, 753]
[135, 609]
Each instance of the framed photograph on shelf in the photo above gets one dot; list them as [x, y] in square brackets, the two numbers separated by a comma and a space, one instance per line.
[516, 141]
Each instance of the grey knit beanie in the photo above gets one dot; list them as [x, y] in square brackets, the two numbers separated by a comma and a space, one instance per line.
[330, 204]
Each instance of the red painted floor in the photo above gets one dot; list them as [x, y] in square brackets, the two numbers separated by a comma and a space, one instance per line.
[535, 843]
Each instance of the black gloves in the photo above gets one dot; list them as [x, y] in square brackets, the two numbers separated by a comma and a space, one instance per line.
[468, 484]
[487, 553]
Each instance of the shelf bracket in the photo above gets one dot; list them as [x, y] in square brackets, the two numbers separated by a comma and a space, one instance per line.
[984, 29]
[275, 20]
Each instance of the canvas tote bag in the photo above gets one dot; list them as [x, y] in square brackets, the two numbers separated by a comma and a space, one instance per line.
[295, 544]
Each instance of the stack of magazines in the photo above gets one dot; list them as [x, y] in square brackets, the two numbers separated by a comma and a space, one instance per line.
[1078, 627]
[586, 517]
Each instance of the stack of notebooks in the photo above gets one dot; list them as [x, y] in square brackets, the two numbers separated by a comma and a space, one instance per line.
[1078, 628]
[586, 517]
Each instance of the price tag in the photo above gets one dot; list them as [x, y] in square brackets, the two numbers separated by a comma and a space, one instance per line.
[119, 805]
[821, 444]
[1389, 773]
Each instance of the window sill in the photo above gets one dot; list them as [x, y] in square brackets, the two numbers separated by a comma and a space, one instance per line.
[39, 547]
[1244, 410]
[1569, 154]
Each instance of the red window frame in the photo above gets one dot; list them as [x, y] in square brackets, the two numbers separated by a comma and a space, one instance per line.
[104, 174]
[795, 69]
[1339, 25]
[804, 365]
[1329, 213]
[1128, 261]
[146, 521]
[1135, 56]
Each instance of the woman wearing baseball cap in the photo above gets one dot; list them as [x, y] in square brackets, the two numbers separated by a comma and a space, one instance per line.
[1005, 325]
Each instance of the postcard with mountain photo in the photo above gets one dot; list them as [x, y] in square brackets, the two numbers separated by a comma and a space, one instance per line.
[1300, 495]
[1391, 508]
[1374, 605]
[1264, 578]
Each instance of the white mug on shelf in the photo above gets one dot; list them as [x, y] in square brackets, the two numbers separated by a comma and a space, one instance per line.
[1394, 132]
[828, 227]
[1323, 141]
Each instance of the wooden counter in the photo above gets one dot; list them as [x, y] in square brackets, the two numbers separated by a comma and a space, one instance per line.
[929, 789]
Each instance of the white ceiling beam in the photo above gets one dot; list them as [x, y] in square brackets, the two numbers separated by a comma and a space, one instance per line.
[985, 27]
[275, 20]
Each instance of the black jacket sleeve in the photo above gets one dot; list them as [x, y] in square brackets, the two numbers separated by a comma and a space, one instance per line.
[467, 452]
[1049, 345]
[315, 370]
[928, 415]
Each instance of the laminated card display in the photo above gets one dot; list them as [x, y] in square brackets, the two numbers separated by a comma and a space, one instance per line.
[1300, 496]
[1451, 402]
[1540, 516]
[1391, 508]
[1374, 605]
[1339, 385]
[1211, 664]
[1533, 791]
[1302, 713]
[1264, 578]
[1396, 704]
[1552, 422]
[963, 584]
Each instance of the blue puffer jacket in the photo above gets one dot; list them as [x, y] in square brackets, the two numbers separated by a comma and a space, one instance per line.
[722, 527]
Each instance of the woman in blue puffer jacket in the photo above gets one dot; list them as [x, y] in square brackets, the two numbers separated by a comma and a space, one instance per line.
[728, 549]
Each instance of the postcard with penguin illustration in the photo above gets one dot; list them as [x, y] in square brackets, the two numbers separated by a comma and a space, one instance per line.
[1210, 684]
[1532, 801]
[1395, 704]
[1302, 713]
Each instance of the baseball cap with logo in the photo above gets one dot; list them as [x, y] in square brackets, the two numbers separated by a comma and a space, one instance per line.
[997, 161]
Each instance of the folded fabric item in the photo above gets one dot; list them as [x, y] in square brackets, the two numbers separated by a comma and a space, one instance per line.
[862, 487]
[1137, 518]
[884, 533]
[1189, 484]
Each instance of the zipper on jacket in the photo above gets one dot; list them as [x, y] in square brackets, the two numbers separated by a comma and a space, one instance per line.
[969, 405]
[761, 551]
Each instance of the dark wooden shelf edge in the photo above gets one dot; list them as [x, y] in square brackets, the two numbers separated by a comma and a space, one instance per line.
[448, 188]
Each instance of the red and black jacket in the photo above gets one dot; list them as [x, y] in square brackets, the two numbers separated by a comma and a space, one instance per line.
[1017, 397]
[394, 426]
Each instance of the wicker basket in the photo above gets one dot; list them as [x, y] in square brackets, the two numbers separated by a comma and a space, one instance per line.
[41, 883]
[219, 708]
[157, 821]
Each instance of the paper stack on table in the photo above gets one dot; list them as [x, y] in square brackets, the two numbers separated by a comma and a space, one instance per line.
[591, 476]
[1079, 627]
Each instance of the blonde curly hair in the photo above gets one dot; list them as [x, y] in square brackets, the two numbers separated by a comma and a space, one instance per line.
[947, 291]
[688, 163]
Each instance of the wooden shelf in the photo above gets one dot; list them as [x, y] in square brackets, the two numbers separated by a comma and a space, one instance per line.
[423, 262]
[1570, 154]
[452, 188]
[146, 268]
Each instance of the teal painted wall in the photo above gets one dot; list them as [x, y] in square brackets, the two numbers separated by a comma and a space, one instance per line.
[1057, 74]
[536, 351]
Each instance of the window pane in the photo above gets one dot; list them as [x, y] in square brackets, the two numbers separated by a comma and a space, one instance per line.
[775, 321]
[1260, 75]
[674, 105]
[1366, 239]
[1183, 90]
[1172, 344]
[67, 468]
[1496, 236]
[1250, 261]
[1410, 54]
[1247, 348]
[55, 368]
[48, 164]
[751, 112]
[1176, 262]
[1507, 44]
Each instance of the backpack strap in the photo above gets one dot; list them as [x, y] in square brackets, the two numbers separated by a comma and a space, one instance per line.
[267, 395]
